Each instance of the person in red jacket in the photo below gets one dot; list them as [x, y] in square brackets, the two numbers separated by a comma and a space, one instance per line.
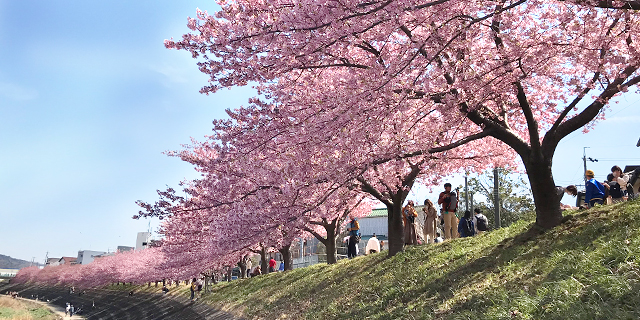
[272, 265]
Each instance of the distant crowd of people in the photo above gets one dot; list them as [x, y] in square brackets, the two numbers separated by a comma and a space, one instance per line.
[433, 228]
[273, 266]
[447, 223]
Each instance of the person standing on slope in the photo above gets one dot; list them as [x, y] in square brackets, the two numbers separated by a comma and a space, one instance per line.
[449, 202]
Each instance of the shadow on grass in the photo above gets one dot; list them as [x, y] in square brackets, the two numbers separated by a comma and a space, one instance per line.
[582, 282]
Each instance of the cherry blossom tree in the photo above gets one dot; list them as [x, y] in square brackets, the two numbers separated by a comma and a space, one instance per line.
[526, 73]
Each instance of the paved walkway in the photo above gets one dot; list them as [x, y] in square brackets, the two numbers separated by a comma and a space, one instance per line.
[57, 310]
[118, 305]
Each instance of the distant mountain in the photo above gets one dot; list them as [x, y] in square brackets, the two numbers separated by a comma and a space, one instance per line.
[7, 262]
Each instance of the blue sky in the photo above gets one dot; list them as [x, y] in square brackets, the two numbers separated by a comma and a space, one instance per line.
[90, 98]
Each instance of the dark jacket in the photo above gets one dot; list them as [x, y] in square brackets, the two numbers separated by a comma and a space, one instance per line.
[595, 190]
[461, 228]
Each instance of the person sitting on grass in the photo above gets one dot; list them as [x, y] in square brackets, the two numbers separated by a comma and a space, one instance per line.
[570, 190]
[465, 226]
[438, 238]
[594, 190]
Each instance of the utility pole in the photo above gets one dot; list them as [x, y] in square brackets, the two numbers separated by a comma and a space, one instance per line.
[496, 195]
[584, 161]
[466, 193]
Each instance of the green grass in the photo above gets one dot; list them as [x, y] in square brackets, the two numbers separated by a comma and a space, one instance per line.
[23, 310]
[587, 268]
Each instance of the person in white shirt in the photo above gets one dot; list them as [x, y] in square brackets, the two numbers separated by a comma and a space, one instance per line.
[479, 216]
[373, 245]
[249, 265]
[438, 238]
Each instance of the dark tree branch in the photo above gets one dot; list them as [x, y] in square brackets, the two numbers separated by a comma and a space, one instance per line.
[532, 124]
[609, 4]
[316, 235]
[552, 139]
[368, 188]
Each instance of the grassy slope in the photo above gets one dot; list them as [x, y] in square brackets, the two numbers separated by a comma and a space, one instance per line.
[18, 309]
[586, 268]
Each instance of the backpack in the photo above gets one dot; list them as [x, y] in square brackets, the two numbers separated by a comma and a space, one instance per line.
[482, 223]
[453, 202]
[354, 233]
[467, 227]
[614, 190]
[410, 218]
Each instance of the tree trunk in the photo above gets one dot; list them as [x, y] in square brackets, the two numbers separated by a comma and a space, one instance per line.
[330, 245]
[229, 272]
[396, 227]
[548, 213]
[286, 256]
[243, 267]
[263, 260]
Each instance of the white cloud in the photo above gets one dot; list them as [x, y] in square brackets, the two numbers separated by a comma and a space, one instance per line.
[17, 93]
[622, 119]
[172, 74]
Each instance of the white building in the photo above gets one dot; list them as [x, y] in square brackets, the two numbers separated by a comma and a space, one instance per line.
[377, 222]
[52, 262]
[142, 240]
[87, 256]
[124, 248]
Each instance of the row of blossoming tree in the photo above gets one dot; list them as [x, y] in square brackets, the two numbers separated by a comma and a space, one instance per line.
[358, 101]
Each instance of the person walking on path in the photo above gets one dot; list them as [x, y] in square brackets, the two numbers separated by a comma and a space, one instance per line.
[431, 215]
[373, 245]
[192, 289]
[466, 227]
[449, 202]
[594, 190]
[354, 234]
[409, 215]
[200, 282]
